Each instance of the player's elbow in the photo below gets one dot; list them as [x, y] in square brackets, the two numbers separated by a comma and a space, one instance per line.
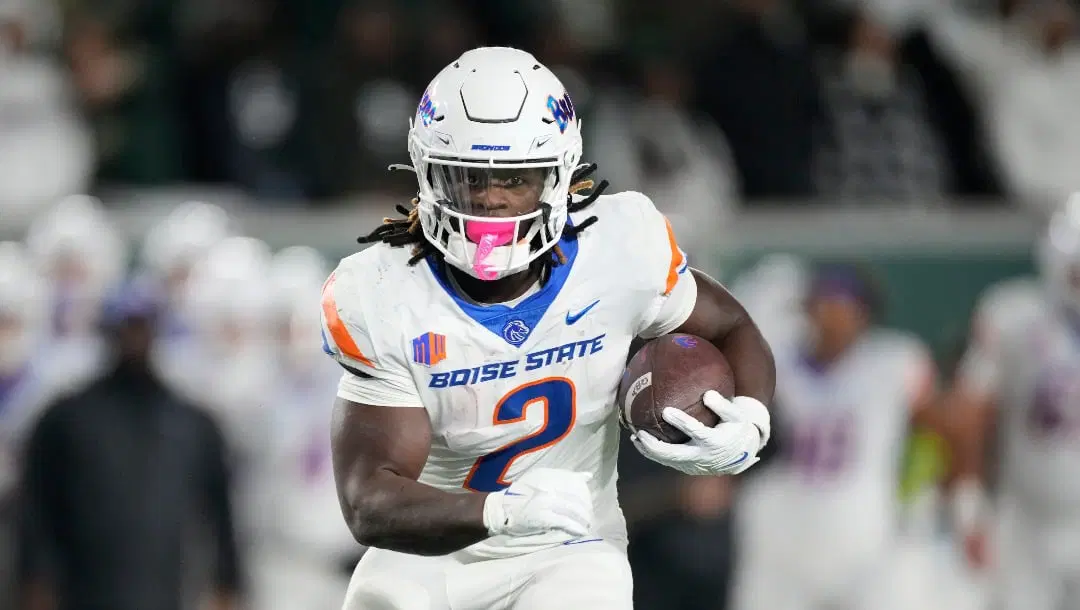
[369, 514]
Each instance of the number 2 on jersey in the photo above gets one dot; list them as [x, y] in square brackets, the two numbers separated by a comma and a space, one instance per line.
[558, 396]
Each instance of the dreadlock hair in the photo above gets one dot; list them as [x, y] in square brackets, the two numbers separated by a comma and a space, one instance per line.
[398, 232]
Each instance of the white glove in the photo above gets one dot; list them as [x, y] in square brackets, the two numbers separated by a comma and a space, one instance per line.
[540, 501]
[730, 447]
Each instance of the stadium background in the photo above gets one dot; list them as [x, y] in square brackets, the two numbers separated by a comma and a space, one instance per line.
[746, 120]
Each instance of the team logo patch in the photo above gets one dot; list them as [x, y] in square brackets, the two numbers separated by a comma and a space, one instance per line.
[685, 341]
[516, 332]
[426, 109]
[562, 110]
[429, 349]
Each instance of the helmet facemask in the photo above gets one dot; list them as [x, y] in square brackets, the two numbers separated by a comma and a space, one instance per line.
[492, 219]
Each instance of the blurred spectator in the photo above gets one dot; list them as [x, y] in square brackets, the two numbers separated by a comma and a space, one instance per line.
[654, 144]
[124, 89]
[877, 141]
[170, 252]
[25, 387]
[46, 152]
[364, 100]
[173, 247]
[1036, 117]
[231, 366]
[245, 97]
[117, 479]
[305, 553]
[82, 256]
[758, 83]
[958, 119]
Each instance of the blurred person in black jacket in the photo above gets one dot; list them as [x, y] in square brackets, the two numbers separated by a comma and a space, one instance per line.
[117, 478]
[759, 84]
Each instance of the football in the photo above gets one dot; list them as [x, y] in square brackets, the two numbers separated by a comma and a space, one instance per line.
[672, 371]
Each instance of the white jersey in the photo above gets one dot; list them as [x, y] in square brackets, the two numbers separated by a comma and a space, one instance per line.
[843, 432]
[23, 397]
[1026, 356]
[512, 387]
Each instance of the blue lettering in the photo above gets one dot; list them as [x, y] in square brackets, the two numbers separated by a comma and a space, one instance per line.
[566, 352]
[507, 370]
[597, 344]
[535, 360]
[491, 371]
[439, 380]
[459, 377]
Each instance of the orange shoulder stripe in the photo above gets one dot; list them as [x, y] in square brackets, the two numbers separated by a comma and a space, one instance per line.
[677, 259]
[338, 332]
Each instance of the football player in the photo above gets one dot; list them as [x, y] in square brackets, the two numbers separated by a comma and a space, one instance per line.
[81, 254]
[303, 551]
[1021, 376]
[825, 519]
[484, 336]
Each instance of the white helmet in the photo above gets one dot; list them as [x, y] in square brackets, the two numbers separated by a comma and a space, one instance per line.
[296, 271]
[494, 109]
[183, 237]
[1059, 254]
[297, 275]
[82, 254]
[230, 289]
[23, 310]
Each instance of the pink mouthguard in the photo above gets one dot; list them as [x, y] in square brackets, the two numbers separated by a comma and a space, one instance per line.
[487, 236]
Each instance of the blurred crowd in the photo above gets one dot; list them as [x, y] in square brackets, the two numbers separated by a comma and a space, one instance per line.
[852, 101]
[235, 332]
[706, 105]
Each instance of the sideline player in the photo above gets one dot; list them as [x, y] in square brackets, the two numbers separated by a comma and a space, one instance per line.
[484, 335]
[1021, 376]
[825, 519]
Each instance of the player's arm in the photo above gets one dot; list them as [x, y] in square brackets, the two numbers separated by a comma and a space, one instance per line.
[689, 301]
[972, 408]
[719, 317]
[378, 453]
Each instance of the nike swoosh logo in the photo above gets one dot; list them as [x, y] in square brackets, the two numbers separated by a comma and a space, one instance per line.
[572, 318]
[742, 458]
[569, 542]
[510, 493]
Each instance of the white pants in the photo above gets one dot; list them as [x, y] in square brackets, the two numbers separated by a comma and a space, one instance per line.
[790, 558]
[593, 575]
[1039, 563]
[289, 581]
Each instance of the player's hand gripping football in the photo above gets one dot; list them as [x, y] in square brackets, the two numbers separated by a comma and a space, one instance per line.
[730, 447]
[540, 501]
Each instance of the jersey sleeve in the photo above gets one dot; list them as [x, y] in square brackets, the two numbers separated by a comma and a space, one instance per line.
[664, 269]
[1000, 318]
[374, 373]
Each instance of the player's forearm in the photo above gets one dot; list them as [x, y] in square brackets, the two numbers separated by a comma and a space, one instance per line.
[396, 513]
[719, 317]
[751, 361]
